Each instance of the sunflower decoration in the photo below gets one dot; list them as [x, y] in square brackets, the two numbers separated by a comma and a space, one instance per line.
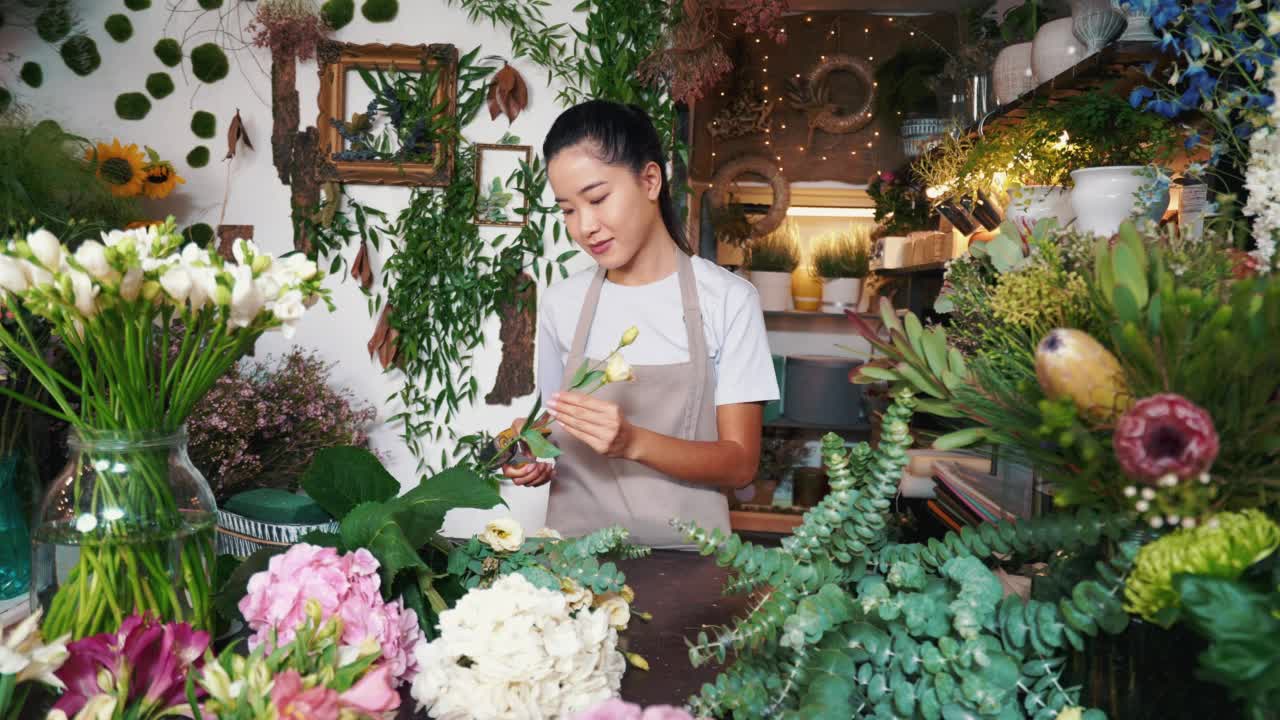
[119, 166]
[159, 177]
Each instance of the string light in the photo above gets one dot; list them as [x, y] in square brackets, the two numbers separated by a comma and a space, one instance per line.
[808, 18]
[824, 157]
[784, 126]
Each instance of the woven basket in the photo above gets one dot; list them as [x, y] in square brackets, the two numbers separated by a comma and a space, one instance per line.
[242, 537]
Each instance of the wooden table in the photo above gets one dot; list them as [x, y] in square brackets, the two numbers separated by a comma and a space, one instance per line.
[682, 591]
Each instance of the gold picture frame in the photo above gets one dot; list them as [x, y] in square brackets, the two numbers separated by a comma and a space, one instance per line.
[483, 214]
[336, 60]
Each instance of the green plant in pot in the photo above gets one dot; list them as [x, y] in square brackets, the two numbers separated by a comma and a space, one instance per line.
[771, 259]
[1114, 151]
[951, 186]
[842, 260]
[1029, 162]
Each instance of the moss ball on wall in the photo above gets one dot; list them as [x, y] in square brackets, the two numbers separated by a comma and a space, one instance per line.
[198, 157]
[137, 5]
[210, 4]
[209, 63]
[380, 10]
[80, 53]
[201, 234]
[119, 27]
[337, 13]
[169, 52]
[54, 22]
[204, 124]
[160, 85]
[32, 74]
[132, 106]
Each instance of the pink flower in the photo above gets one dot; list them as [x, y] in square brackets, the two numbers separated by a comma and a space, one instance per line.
[151, 661]
[347, 586]
[1165, 434]
[294, 703]
[372, 694]
[888, 177]
[616, 709]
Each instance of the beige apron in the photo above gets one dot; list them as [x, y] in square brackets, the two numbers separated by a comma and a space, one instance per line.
[591, 491]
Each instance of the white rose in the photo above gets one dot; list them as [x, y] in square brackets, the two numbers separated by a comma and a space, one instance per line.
[46, 248]
[176, 282]
[12, 278]
[92, 256]
[618, 370]
[288, 310]
[617, 611]
[85, 292]
[246, 298]
[131, 285]
[271, 286]
[575, 595]
[503, 535]
[299, 266]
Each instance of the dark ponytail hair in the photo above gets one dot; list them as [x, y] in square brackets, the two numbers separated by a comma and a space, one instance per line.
[622, 135]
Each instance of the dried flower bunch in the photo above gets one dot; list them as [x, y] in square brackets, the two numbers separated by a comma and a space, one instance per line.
[289, 28]
[263, 422]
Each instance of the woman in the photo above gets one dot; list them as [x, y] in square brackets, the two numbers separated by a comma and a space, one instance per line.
[665, 445]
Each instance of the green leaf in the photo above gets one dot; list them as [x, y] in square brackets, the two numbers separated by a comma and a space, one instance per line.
[877, 373]
[1005, 252]
[340, 478]
[889, 316]
[961, 438]
[375, 527]
[227, 602]
[1130, 275]
[957, 364]
[422, 509]
[935, 350]
[941, 408]
[915, 333]
[921, 382]
[579, 374]
[539, 444]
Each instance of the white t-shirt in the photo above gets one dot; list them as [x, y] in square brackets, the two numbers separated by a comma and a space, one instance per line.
[731, 319]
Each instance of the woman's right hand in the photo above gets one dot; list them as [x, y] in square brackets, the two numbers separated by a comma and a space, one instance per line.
[530, 474]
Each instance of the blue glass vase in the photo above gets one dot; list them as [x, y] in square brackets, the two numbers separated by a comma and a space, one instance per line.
[15, 537]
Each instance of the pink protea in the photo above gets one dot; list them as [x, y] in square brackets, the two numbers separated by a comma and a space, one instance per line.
[347, 586]
[144, 663]
[1165, 434]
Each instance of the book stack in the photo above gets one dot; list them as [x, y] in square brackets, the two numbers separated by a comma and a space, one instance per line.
[965, 496]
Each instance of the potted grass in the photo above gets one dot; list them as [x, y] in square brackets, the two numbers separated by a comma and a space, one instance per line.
[842, 260]
[771, 259]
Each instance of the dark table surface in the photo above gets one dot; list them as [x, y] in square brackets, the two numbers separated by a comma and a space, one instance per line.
[682, 592]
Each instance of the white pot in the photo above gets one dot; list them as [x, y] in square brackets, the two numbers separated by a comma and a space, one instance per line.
[1055, 49]
[1011, 75]
[774, 288]
[1030, 204]
[840, 294]
[1104, 197]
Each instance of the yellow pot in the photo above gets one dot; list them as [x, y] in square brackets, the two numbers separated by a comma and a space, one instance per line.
[806, 290]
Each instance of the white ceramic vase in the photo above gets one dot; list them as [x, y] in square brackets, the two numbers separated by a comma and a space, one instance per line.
[1055, 49]
[840, 294]
[1011, 75]
[1030, 204]
[774, 289]
[1104, 197]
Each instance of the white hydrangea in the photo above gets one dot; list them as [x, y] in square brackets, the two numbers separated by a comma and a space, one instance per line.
[515, 651]
[1262, 178]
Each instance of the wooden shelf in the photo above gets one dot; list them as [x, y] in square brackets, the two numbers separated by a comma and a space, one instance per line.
[913, 269]
[781, 522]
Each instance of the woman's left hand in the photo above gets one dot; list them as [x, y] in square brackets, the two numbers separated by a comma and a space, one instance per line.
[597, 423]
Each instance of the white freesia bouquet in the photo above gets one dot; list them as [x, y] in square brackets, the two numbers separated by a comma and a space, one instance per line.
[514, 650]
[150, 322]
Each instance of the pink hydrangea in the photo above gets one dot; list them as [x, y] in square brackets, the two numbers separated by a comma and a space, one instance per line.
[347, 586]
[616, 709]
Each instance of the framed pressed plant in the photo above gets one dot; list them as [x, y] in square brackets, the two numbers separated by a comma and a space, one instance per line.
[498, 173]
[386, 113]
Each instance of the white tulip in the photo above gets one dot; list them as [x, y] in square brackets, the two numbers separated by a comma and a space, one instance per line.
[11, 276]
[92, 256]
[246, 298]
[36, 275]
[131, 285]
[86, 293]
[45, 246]
[176, 282]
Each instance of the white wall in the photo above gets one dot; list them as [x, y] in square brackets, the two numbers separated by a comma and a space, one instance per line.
[257, 197]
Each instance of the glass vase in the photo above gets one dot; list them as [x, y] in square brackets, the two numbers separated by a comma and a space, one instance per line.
[15, 538]
[126, 528]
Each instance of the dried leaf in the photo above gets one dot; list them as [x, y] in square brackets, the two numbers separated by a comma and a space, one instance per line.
[379, 332]
[361, 269]
[508, 94]
[236, 134]
[384, 340]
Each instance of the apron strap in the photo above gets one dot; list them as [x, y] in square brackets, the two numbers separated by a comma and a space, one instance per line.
[586, 316]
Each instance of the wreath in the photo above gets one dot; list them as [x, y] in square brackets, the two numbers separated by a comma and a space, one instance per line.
[813, 97]
[764, 167]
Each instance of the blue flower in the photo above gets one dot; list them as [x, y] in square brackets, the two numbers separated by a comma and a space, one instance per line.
[1164, 108]
[1165, 13]
[1224, 9]
[1139, 94]
[1192, 140]
[1243, 130]
[1168, 45]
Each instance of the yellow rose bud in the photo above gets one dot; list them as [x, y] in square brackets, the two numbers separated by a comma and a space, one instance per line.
[618, 612]
[503, 535]
[618, 370]
[628, 594]
[630, 336]
[637, 661]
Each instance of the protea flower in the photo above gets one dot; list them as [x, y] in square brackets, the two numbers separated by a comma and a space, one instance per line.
[144, 663]
[1163, 435]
